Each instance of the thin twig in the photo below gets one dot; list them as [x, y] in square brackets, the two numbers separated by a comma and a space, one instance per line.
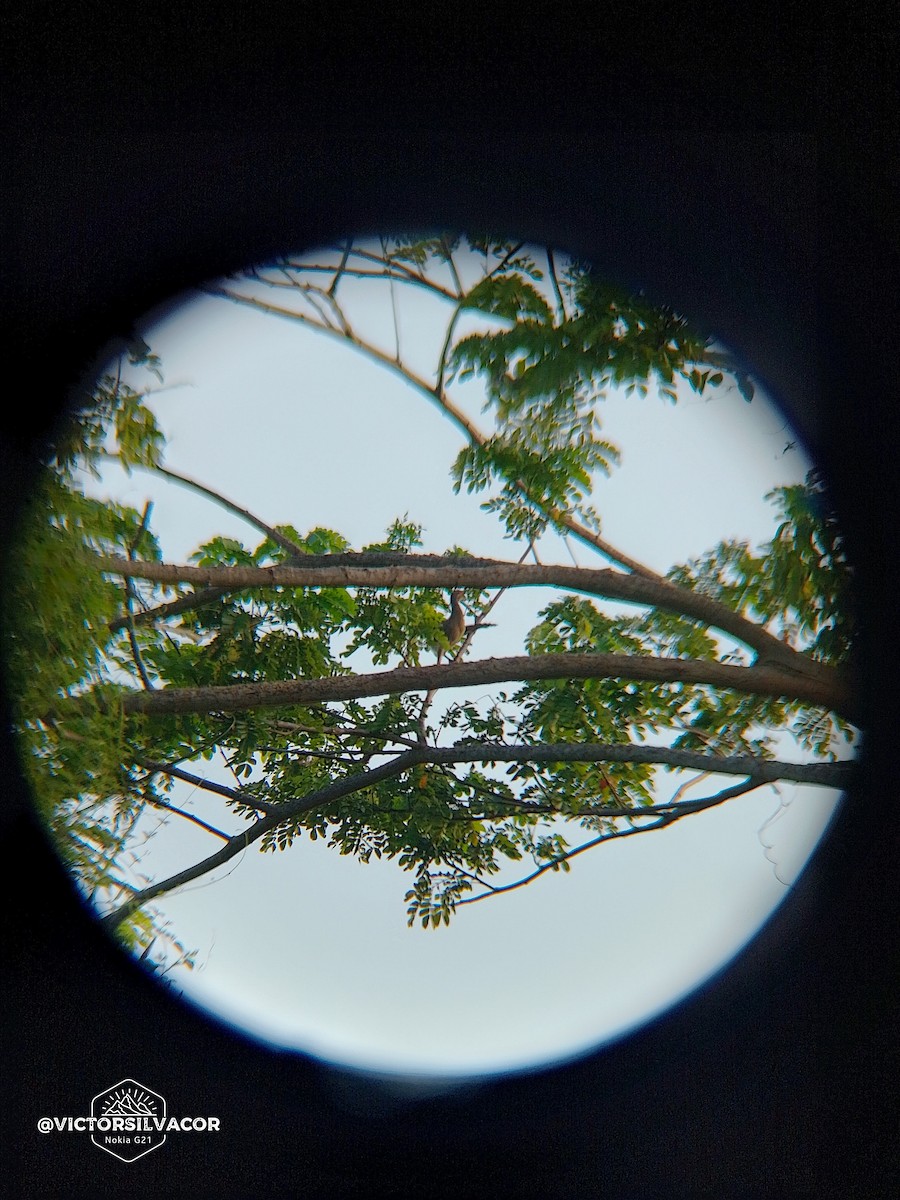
[501, 265]
[348, 245]
[668, 818]
[241, 795]
[452, 265]
[551, 263]
[274, 535]
[406, 273]
[158, 802]
[348, 730]
[173, 608]
[131, 596]
[393, 303]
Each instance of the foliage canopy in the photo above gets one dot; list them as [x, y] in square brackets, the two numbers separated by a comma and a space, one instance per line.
[129, 673]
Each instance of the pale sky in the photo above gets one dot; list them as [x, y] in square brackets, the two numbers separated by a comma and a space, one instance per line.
[311, 950]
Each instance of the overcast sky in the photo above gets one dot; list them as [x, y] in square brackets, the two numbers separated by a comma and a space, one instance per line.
[312, 950]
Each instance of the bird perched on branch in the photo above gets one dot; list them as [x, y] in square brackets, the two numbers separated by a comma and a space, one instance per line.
[454, 626]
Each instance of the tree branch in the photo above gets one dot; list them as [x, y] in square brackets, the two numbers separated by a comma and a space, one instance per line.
[273, 534]
[158, 802]
[130, 596]
[513, 250]
[551, 265]
[405, 273]
[239, 697]
[183, 604]
[242, 796]
[452, 265]
[447, 572]
[345, 254]
[668, 818]
[439, 396]
[370, 351]
[335, 790]
[763, 770]
[397, 271]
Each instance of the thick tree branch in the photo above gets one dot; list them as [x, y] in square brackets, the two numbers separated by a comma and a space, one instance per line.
[763, 770]
[239, 697]
[830, 775]
[759, 772]
[602, 582]
[294, 808]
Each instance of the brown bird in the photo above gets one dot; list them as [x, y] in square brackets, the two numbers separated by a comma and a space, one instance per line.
[455, 624]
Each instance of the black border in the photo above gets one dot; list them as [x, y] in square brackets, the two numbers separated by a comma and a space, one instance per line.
[739, 178]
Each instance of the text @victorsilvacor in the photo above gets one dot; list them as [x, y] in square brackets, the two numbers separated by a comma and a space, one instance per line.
[131, 1124]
